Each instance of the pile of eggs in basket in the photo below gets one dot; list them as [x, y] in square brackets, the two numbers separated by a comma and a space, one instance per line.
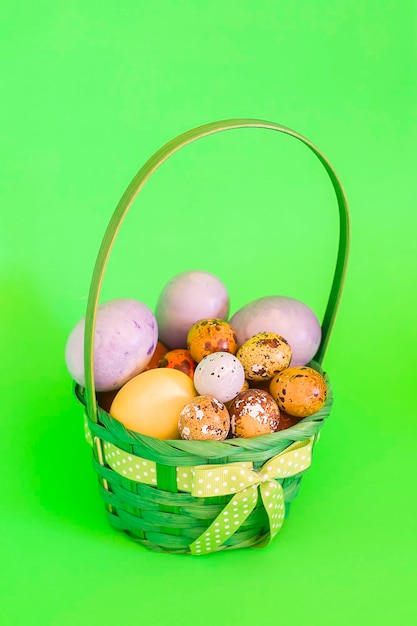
[185, 372]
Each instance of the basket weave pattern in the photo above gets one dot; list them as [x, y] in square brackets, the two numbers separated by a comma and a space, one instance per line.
[164, 518]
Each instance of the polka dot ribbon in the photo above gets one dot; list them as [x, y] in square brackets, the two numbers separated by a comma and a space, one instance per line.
[237, 479]
[245, 483]
[128, 465]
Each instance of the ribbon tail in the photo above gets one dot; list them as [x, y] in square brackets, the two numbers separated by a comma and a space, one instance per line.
[227, 522]
[272, 495]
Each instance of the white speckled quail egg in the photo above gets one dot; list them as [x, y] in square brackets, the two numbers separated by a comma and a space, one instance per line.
[220, 375]
[204, 418]
[264, 355]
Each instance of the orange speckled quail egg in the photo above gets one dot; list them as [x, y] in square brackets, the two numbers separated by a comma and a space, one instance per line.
[211, 335]
[204, 418]
[180, 360]
[252, 413]
[264, 355]
[299, 391]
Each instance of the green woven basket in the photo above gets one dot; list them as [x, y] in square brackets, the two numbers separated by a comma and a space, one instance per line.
[199, 497]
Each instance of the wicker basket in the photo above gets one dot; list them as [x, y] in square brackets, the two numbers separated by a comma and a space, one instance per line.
[199, 497]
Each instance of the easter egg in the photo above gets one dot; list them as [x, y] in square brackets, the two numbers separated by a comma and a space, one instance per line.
[220, 375]
[252, 413]
[151, 402]
[211, 335]
[264, 355]
[158, 355]
[299, 391]
[287, 317]
[126, 334]
[204, 418]
[187, 298]
[180, 360]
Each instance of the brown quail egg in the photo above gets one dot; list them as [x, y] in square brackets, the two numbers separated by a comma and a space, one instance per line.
[299, 391]
[264, 355]
[253, 412]
[204, 418]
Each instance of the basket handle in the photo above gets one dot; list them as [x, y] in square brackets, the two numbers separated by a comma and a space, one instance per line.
[136, 185]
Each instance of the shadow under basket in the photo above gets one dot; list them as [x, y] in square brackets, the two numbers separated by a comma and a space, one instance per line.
[199, 497]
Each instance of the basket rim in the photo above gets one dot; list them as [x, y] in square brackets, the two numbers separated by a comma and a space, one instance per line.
[109, 429]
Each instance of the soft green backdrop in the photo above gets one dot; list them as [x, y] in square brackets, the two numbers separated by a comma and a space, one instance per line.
[89, 91]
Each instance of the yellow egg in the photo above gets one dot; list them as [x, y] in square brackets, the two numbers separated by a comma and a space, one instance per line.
[151, 402]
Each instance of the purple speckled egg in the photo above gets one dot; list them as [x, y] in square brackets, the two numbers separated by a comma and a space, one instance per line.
[287, 317]
[126, 335]
[187, 298]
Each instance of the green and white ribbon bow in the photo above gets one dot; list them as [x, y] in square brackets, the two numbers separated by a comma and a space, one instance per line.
[246, 484]
[237, 479]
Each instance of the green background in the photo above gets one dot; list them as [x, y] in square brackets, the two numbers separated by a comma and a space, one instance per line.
[90, 91]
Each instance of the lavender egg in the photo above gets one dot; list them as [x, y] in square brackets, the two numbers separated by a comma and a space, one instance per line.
[287, 317]
[186, 299]
[126, 335]
[220, 375]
